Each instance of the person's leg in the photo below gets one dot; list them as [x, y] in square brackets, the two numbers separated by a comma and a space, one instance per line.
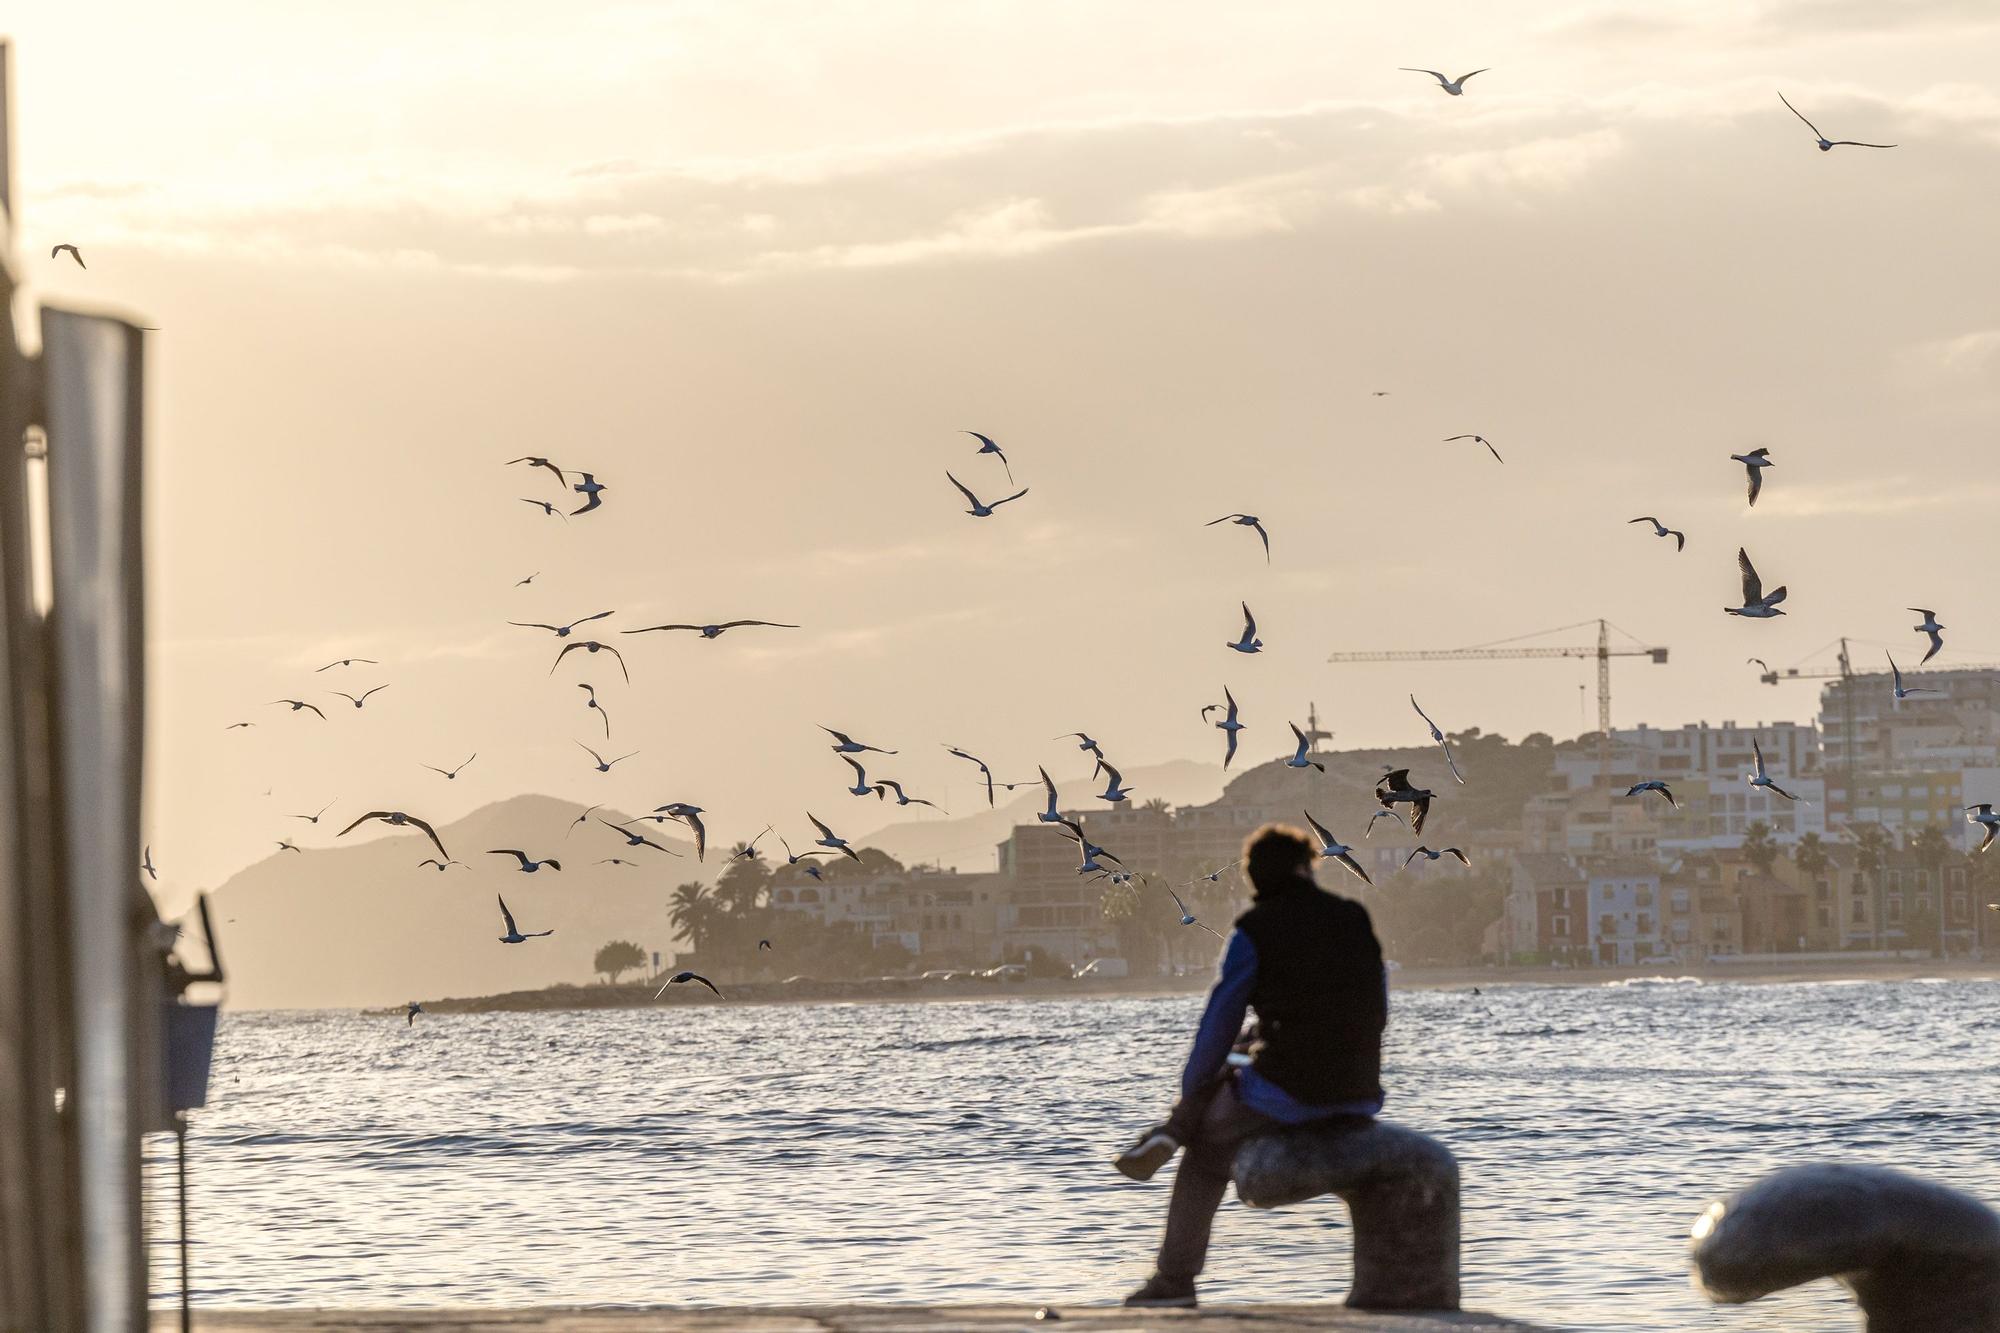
[1202, 1180]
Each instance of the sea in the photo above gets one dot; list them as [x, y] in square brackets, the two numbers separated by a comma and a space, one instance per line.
[961, 1151]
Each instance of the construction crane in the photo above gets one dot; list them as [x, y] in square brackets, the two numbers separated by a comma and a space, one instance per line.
[1509, 649]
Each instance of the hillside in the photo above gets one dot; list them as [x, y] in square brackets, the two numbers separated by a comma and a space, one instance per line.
[363, 924]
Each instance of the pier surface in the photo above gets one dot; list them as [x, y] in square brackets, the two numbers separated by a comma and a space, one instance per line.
[844, 1319]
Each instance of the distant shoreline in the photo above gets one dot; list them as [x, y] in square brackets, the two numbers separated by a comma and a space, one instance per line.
[632, 995]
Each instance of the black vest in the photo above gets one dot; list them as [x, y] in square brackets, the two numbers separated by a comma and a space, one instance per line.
[1320, 996]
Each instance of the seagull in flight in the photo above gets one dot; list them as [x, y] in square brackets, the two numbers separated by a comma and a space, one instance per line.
[363, 698]
[442, 865]
[146, 863]
[1051, 815]
[748, 851]
[1114, 790]
[986, 446]
[522, 583]
[451, 773]
[1229, 726]
[1930, 627]
[1481, 438]
[1754, 462]
[887, 785]
[691, 816]
[984, 771]
[593, 646]
[1395, 788]
[829, 839]
[980, 509]
[1382, 814]
[793, 858]
[1827, 145]
[636, 839]
[297, 704]
[1084, 743]
[1455, 87]
[1757, 605]
[590, 701]
[1438, 737]
[514, 935]
[74, 253]
[1187, 917]
[1246, 521]
[682, 978]
[287, 845]
[1298, 759]
[1761, 778]
[713, 631]
[560, 631]
[314, 818]
[1759, 663]
[234, 725]
[1430, 855]
[1662, 530]
[528, 864]
[860, 787]
[604, 765]
[1902, 691]
[1249, 643]
[1330, 846]
[346, 662]
[848, 745]
[1982, 815]
[397, 819]
[547, 507]
[582, 818]
[535, 462]
[1654, 784]
[592, 490]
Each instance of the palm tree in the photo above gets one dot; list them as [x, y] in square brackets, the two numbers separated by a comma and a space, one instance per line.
[1871, 848]
[1810, 856]
[693, 912]
[1758, 848]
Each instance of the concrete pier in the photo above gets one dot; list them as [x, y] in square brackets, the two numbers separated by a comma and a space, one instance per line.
[845, 1319]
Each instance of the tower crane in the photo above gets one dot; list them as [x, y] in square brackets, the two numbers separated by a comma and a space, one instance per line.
[1513, 649]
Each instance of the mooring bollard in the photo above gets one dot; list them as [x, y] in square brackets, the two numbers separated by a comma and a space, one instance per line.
[1401, 1191]
[1918, 1256]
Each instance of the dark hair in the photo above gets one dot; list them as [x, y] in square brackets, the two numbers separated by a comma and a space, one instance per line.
[1274, 855]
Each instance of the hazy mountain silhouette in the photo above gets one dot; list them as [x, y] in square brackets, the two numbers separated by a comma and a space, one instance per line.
[967, 841]
[358, 922]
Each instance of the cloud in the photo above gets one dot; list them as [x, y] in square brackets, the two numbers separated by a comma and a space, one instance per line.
[1969, 361]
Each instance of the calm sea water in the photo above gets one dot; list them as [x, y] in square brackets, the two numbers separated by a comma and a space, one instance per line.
[960, 1151]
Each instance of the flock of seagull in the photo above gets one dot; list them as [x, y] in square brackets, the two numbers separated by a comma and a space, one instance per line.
[1394, 793]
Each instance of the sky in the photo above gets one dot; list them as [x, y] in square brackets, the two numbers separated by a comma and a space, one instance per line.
[756, 265]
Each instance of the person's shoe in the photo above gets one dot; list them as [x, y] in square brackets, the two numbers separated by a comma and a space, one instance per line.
[1163, 1293]
[1154, 1150]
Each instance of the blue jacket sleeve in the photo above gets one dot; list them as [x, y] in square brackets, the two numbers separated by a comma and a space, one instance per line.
[1228, 1001]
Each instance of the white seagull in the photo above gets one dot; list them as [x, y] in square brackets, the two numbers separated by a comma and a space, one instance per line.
[1438, 736]
[528, 864]
[1331, 846]
[603, 765]
[1982, 815]
[1187, 917]
[1114, 788]
[1761, 778]
[860, 787]
[984, 771]
[1395, 788]
[1456, 87]
[1249, 643]
[831, 840]
[1653, 784]
[986, 446]
[1298, 758]
[1662, 530]
[980, 509]
[1246, 521]
[1757, 605]
[1051, 815]
[691, 816]
[1902, 691]
[1827, 145]
[1229, 726]
[592, 491]
[1755, 462]
[848, 745]
[514, 935]
[1382, 814]
[1931, 627]
[1430, 855]
[363, 698]
[1084, 743]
